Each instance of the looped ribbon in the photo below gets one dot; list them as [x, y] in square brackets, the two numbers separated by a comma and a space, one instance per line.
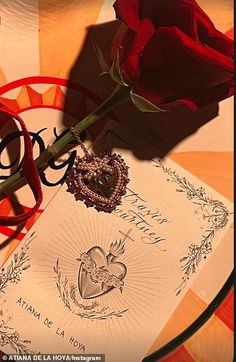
[29, 170]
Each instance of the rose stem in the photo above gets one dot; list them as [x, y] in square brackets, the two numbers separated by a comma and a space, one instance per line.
[119, 95]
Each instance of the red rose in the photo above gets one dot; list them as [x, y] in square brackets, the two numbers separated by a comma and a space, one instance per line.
[171, 52]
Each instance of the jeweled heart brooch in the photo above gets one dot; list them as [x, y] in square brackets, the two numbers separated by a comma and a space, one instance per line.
[98, 180]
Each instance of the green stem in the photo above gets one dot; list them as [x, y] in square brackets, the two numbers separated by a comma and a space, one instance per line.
[119, 95]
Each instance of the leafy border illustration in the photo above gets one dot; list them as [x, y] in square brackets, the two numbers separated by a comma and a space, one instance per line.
[8, 336]
[217, 219]
[19, 263]
[11, 274]
[67, 295]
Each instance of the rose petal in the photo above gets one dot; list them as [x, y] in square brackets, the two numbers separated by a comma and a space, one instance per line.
[212, 95]
[174, 66]
[209, 35]
[171, 13]
[186, 56]
[187, 15]
[127, 11]
[131, 48]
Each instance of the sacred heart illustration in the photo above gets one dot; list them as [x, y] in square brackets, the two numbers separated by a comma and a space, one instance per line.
[100, 273]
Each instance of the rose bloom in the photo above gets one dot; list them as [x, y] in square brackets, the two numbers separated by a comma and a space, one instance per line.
[118, 283]
[84, 257]
[100, 275]
[90, 265]
[171, 53]
[109, 280]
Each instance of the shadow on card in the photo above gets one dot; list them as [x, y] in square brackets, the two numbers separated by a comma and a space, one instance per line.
[163, 130]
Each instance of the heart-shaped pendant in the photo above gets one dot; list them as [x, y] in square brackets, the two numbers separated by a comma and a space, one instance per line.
[98, 180]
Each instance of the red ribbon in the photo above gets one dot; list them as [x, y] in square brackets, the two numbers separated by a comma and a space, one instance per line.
[28, 168]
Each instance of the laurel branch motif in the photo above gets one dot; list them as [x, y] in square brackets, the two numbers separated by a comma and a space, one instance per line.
[67, 293]
[19, 263]
[213, 211]
[11, 274]
[9, 336]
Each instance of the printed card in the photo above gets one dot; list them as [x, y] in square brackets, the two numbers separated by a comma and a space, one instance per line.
[84, 281]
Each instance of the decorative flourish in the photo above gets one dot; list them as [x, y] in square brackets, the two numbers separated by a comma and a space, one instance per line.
[73, 291]
[19, 263]
[67, 293]
[10, 337]
[213, 211]
[192, 193]
[194, 257]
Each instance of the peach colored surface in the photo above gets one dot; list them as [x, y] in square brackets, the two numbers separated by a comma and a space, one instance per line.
[214, 168]
[188, 310]
[59, 25]
[212, 343]
[65, 27]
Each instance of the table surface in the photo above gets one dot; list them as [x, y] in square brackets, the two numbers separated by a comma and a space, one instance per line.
[200, 153]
